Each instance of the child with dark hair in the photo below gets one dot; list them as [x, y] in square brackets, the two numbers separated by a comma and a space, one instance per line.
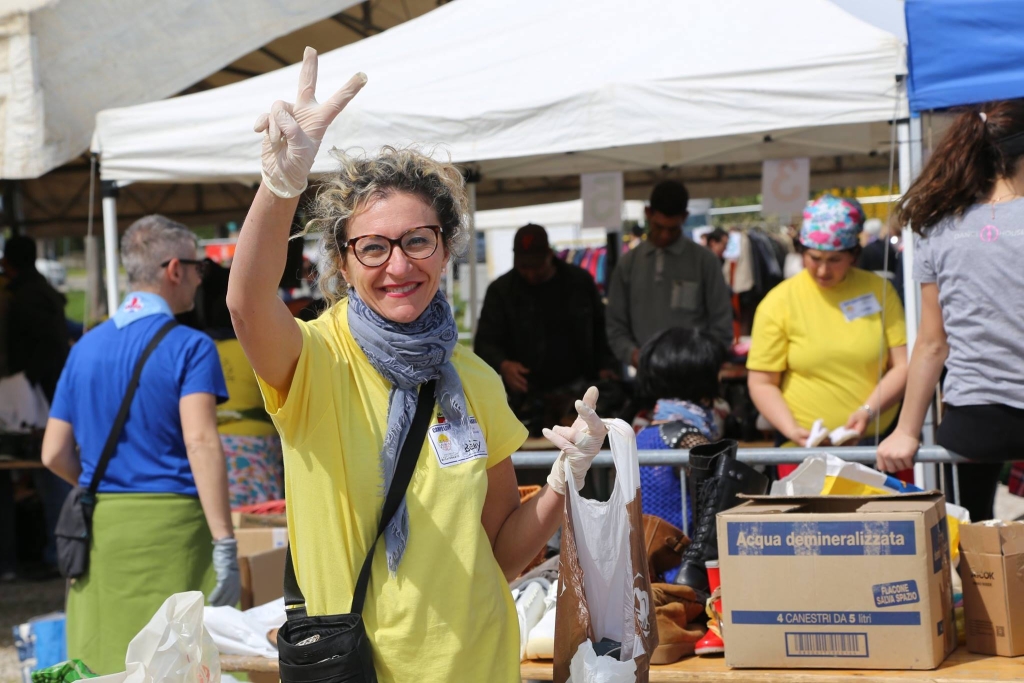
[678, 374]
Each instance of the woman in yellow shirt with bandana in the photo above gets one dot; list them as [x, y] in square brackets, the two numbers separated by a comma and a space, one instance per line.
[342, 391]
[829, 343]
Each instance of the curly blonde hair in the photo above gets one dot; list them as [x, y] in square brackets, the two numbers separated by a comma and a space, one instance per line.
[361, 180]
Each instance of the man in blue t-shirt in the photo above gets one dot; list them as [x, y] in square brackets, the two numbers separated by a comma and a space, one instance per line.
[164, 495]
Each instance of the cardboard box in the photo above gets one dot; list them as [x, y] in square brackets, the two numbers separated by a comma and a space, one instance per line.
[261, 558]
[252, 541]
[992, 571]
[244, 520]
[837, 582]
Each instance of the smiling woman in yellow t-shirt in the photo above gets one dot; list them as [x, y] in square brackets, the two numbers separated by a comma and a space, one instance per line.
[823, 338]
[342, 390]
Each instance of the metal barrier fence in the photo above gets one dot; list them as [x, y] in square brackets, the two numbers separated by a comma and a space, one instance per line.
[751, 456]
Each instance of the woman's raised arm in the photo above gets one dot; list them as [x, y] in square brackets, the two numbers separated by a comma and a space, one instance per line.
[291, 138]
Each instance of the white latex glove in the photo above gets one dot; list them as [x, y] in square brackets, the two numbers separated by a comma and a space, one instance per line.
[229, 579]
[578, 444]
[292, 133]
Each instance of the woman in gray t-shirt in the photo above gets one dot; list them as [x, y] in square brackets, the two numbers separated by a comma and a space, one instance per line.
[967, 208]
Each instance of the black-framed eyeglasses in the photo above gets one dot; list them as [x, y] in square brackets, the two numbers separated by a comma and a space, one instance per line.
[374, 251]
[198, 263]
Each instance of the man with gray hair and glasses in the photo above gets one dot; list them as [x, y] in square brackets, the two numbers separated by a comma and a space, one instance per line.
[163, 496]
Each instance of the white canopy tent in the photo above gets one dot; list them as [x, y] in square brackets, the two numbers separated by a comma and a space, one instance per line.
[61, 61]
[540, 88]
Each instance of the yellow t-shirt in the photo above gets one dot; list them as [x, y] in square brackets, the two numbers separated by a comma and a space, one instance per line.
[449, 615]
[829, 365]
[243, 393]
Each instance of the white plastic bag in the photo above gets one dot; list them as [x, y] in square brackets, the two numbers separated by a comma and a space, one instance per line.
[173, 647]
[604, 587]
[587, 667]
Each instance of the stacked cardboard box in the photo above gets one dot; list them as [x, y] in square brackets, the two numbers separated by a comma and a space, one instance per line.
[992, 571]
[261, 556]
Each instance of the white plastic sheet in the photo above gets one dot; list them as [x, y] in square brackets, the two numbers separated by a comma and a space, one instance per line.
[245, 633]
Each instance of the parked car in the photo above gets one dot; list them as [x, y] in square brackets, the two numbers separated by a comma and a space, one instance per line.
[53, 271]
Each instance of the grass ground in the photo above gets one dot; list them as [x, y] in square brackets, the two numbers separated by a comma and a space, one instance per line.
[75, 308]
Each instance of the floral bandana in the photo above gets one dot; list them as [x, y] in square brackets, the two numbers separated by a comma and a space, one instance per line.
[832, 223]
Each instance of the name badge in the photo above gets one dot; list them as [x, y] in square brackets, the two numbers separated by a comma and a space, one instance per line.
[860, 307]
[449, 451]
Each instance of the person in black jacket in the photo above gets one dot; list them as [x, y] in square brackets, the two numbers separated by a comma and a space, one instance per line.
[37, 333]
[542, 327]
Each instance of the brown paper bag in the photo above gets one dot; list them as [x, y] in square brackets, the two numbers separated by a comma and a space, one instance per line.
[604, 589]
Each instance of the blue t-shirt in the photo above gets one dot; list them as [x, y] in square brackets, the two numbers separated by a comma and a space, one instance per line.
[150, 455]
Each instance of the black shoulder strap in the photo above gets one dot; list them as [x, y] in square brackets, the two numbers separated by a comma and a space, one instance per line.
[410, 453]
[122, 415]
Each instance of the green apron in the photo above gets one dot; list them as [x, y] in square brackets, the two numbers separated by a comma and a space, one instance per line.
[145, 547]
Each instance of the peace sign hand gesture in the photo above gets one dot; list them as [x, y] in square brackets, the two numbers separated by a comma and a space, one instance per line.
[292, 133]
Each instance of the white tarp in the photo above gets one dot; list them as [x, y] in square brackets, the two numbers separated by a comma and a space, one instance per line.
[61, 61]
[538, 87]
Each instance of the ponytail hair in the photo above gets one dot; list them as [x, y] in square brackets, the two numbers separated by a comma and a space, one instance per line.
[983, 144]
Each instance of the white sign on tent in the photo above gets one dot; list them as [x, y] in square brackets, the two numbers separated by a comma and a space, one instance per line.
[602, 195]
[785, 186]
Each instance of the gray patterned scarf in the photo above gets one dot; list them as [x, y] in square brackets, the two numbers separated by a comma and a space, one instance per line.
[408, 355]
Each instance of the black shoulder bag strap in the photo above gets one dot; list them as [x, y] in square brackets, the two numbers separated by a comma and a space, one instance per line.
[122, 415]
[293, 598]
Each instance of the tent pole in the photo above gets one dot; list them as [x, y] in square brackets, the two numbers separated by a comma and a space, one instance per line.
[472, 179]
[110, 242]
[908, 135]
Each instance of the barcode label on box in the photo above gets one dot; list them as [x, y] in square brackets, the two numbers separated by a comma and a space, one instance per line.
[826, 645]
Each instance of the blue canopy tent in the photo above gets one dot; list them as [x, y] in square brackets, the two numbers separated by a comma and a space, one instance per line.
[962, 53]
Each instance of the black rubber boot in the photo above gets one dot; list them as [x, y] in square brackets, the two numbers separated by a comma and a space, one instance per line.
[703, 460]
[719, 492]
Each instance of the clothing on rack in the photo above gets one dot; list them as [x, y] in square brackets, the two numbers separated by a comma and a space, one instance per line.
[758, 270]
[594, 260]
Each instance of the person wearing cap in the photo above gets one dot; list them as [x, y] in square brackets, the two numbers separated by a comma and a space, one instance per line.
[667, 281]
[162, 521]
[542, 326]
[815, 351]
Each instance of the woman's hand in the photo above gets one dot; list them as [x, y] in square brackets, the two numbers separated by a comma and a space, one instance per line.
[292, 132]
[859, 420]
[578, 444]
[797, 435]
[897, 452]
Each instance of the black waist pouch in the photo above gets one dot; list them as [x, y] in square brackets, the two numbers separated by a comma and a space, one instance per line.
[73, 533]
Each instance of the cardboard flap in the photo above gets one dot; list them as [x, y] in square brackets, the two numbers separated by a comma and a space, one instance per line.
[766, 505]
[923, 495]
[910, 502]
[982, 539]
